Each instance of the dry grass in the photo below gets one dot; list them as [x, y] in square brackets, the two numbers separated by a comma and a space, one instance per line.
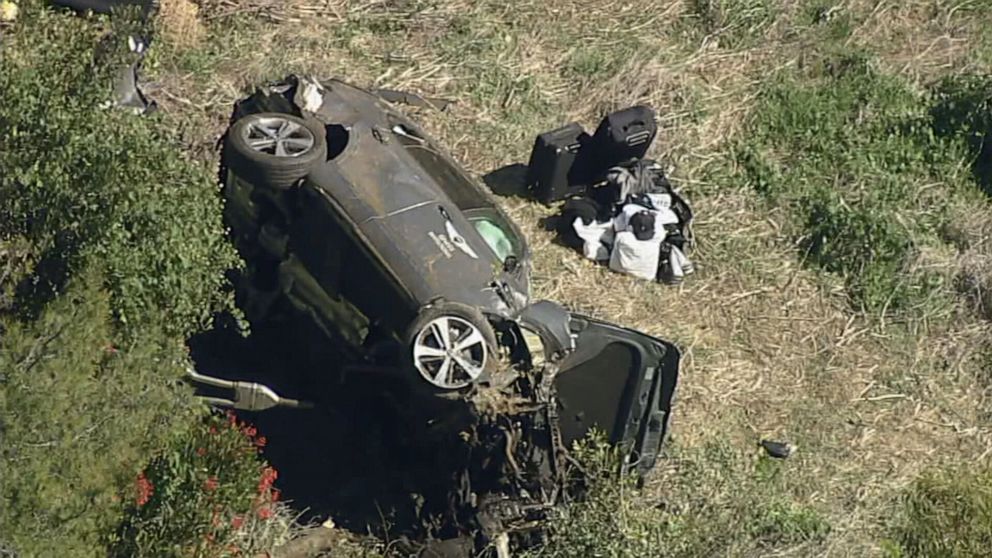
[179, 24]
[771, 348]
[923, 39]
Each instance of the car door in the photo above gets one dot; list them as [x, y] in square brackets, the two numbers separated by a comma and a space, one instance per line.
[619, 381]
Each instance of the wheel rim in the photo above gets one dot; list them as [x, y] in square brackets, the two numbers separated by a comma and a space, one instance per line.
[450, 352]
[276, 136]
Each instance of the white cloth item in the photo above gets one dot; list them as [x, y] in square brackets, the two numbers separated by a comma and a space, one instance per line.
[681, 266]
[660, 201]
[596, 238]
[635, 257]
[313, 95]
[664, 217]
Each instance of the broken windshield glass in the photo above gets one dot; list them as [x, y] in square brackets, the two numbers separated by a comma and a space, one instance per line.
[499, 239]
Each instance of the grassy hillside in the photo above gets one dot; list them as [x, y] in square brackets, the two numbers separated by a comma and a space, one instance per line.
[834, 154]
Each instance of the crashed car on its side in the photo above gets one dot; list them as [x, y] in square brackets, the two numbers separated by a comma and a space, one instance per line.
[349, 210]
[354, 213]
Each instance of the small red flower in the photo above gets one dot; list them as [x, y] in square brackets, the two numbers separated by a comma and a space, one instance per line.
[269, 476]
[201, 451]
[249, 431]
[237, 521]
[144, 489]
[265, 512]
[211, 484]
[261, 441]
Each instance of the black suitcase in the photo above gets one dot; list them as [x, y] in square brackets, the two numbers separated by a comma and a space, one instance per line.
[621, 136]
[552, 175]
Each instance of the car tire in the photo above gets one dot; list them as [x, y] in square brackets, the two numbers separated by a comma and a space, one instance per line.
[435, 330]
[274, 149]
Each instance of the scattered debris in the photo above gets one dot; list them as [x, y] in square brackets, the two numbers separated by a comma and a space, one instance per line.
[127, 93]
[779, 450]
[247, 396]
[412, 99]
[82, 7]
[635, 223]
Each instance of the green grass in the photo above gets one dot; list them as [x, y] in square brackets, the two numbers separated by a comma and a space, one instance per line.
[947, 513]
[867, 173]
[732, 23]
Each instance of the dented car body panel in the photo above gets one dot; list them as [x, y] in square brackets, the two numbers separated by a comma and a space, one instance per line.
[621, 382]
[400, 207]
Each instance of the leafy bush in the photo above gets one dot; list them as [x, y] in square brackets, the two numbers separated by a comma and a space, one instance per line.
[207, 495]
[79, 413]
[721, 502]
[610, 520]
[80, 181]
[947, 514]
[119, 254]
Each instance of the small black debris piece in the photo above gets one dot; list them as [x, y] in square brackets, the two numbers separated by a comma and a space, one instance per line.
[780, 450]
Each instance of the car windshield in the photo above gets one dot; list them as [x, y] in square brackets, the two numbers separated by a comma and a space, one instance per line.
[496, 232]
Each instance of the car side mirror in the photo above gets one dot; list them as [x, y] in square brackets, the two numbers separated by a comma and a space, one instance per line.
[511, 264]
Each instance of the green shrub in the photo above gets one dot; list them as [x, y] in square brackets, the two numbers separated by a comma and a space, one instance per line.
[947, 514]
[206, 495]
[120, 253]
[80, 412]
[611, 520]
[80, 181]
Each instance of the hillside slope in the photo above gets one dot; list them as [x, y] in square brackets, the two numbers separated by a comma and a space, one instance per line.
[834, 156]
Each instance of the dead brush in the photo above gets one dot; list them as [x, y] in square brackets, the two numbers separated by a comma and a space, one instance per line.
[178, 23]
[281, 11]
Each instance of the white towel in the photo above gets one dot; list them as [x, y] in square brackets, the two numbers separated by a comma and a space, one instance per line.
[596, 238]
[635, 257]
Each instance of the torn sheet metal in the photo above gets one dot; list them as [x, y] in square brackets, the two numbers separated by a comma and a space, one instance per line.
[127, 93]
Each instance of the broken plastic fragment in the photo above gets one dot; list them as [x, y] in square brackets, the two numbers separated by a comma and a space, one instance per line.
[313, 95]
[128, 95]
[780, 450]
